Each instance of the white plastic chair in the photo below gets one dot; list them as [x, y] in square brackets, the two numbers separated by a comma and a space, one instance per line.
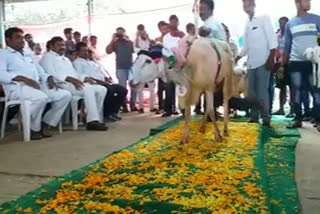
[74, 105]
[24, 110]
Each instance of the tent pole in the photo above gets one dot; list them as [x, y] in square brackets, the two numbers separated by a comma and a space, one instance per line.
[90, 15]
[2, 22]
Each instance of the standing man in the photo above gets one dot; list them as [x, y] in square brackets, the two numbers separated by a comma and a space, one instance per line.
[164, 29]
[260, 43]
[123, 47]
[171, 41]
[70, 45]
[206, 15]
[77, 37]
[300, 33]
[282, 78]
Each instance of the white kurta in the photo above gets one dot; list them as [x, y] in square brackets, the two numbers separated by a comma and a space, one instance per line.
[61, 67]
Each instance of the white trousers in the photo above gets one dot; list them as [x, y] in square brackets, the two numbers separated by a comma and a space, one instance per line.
[38, 101]
[59, 100]
[151, 86]
[94, 96]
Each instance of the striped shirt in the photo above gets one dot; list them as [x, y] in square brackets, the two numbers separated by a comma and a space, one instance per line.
[301, 33]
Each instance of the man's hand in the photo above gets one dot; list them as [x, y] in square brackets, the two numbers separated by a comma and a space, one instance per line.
[108, 80]
[51, 83]
[89, 80]
[76, 83]
[115, 38]
[29, 82]
[271, 61]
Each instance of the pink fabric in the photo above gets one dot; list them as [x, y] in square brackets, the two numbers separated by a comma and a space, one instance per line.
[157, 60]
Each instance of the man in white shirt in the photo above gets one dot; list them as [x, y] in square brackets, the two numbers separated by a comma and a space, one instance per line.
[79, 84]
[16, 65]
[206, 14]
[260, 43]
[116, 95]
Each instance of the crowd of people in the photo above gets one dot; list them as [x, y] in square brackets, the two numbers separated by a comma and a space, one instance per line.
[71, 67]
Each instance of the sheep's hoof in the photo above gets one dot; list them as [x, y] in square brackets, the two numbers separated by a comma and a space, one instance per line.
[226, 133]
[219, 138]
[184, 140]
[203, 129]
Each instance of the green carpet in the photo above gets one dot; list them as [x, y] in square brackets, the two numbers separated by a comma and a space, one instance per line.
[252, 171]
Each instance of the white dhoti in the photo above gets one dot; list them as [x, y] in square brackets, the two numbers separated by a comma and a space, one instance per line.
[94, 96]
[38, 101]
[59, 100]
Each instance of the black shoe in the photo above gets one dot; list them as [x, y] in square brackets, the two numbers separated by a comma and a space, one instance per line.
[110, 119]
[306, 118]
[154, 110]
[318, 127]
[198, 112]
[134, 109]
[296, 124]
[290, 115]
[166, 114]
[114, 116]
[96, 126]
[175, 113]
[253, 121]
[159, 112]
[267, 125]
[36, 135]
[141, 111]
[280, 113]
[125, 110]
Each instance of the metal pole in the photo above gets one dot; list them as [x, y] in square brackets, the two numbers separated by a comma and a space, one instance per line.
[2, 22]
[90, 14]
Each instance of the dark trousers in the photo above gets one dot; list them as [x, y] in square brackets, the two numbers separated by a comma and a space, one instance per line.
[271, 91]
[170, 101]
[300, 79]
[199, 104]
[316, 107]
[115, 98]
[161, 89]
[237, 103]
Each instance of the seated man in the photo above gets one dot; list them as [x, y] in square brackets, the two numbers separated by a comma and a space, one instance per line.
[116, 95]
[57, 65]
[16, 65]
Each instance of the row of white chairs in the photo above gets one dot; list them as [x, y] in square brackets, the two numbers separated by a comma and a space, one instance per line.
[26, 116]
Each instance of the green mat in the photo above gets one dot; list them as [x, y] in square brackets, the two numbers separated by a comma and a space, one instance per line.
[273, 173]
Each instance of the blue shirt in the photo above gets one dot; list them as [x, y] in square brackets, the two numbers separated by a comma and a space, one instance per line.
[301, 33]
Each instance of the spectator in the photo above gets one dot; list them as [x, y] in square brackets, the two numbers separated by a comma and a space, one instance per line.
[164, 29]
[231, 42]
[85, 39]
[282, 78]
[116, 94]
[77, 37]
[69, 43]
[29, 39]
[123, 47]
[260, 43]
[301, 33]
[93, 46]
[17, 65]
[206, 14]
[77, 83]
[142, 41]
[171, 41]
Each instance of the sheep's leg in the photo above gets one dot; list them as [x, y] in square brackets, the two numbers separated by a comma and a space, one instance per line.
[226, 115]
[187, 115]
[204, 123]
[211, 113]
